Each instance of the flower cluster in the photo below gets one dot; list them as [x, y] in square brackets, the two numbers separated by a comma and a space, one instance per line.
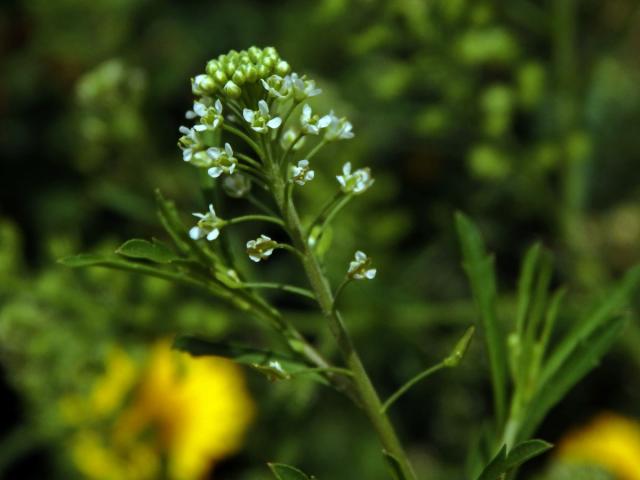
[250, 117]
[227, 74]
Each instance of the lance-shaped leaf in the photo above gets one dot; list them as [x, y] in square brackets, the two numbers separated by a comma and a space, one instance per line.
[275, 366]
[479, 268]
[287, 472]
[582, 359]
[504, 461]
[145, 250]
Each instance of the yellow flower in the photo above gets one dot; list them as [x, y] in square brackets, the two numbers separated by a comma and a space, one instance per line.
[176, 411]
[609, 441]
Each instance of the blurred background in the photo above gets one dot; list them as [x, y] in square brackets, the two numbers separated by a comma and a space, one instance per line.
[522, 113]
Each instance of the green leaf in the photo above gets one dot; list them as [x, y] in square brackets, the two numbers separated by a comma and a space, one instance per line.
[505, 461]
[394, 466]
[525, 285]
[287, 472]
[603, 312]
[143, 249]
[275, 366]
[580, 361]
[479, 268]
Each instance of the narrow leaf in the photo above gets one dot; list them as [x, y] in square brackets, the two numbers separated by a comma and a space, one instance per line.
[525, 285]
[616, 298]
[580, 361]
[276, 366]
[480, 270]
[287, 472]
[505, 461]
[143, 249]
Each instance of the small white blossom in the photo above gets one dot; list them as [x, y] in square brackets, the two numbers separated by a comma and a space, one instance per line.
[189, 143]
[277, 87]
[301, 173]
[236, 185]
[222, 161]
[356, 182]
[311, 124]
[289, 136]
[301, 87]
[359, 268]
[208, 226]
[210, 116]
[261, 120]
[338, 129]
[260, 248]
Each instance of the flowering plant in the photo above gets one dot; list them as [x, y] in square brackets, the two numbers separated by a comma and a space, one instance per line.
[254, 137]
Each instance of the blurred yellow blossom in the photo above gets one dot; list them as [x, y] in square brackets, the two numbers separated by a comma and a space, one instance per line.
[609, 441]
[174, 417]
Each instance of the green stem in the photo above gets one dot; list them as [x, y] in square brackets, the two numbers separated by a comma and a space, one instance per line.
[256, 148]
[403, 389]
[338, 370]
[339, 290]
[281, 286]
[255, 218]
[249, 160]
[368, 396]
[316, 149]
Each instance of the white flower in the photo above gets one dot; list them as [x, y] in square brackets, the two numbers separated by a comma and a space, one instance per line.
[356, 182]
[289, 136]
[189, 143]
[222, 161]
[338, 129]
[260, 248]
[301, 173]
[210, 116]
[199, 108]
[359, 268]
[301, 87]
[311, 124]
[261, 120]
[208, 225]
[277, 87]
[236, 185]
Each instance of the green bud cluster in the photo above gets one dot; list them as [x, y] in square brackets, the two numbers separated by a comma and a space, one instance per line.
[228, 73]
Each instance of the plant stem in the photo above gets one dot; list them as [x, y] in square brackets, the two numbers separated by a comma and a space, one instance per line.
[254, 218]
[404, 388]
[367, 393]
[281, 286]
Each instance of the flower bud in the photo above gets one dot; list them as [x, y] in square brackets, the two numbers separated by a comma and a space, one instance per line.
[270, 51]
[220, 77]
[212, 67]
[230, 68]
[255, 54]
[232, 90]
[263, 71]
[270, 62]
[282, 68]
[239, 78]
[250, 73]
